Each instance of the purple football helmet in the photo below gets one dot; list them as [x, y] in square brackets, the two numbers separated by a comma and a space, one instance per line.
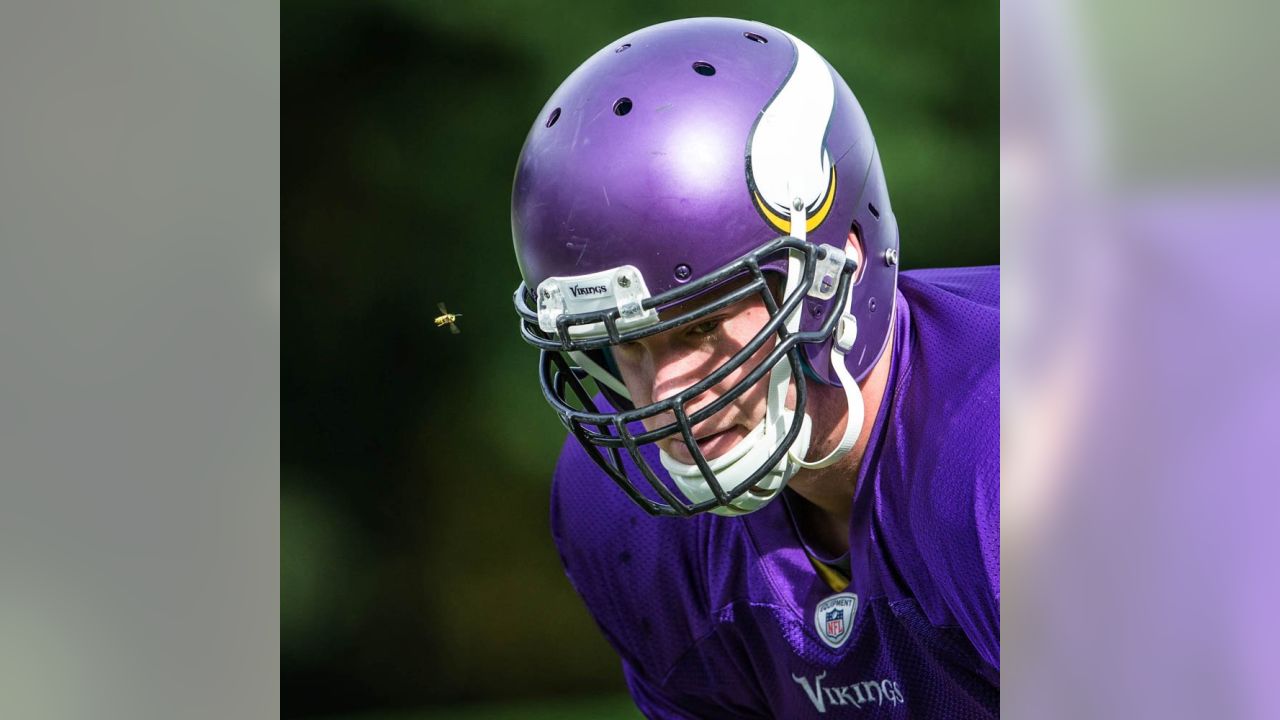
[681, 159]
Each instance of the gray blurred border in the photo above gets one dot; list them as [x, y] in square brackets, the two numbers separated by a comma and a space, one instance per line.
[139, 360]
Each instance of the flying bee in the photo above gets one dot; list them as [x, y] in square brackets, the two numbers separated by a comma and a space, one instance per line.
[448, 318]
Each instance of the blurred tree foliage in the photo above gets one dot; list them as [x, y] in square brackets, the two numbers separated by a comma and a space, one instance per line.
[417, 566]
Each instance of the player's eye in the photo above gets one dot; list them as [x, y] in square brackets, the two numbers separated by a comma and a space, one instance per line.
[705, 328]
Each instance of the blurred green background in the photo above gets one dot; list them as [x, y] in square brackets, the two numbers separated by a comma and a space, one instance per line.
[418, 577]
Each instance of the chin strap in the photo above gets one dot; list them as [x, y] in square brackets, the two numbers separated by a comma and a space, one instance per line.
[846, 334]
[853, 420]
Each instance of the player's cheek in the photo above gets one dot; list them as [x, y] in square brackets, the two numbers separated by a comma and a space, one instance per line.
[750, 404]
[635, 364]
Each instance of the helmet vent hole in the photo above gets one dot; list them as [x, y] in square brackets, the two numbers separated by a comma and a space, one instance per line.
[555, 115]
[623, 47]
[702, 68]
[622, 107]
[873, 210]
[753, 37]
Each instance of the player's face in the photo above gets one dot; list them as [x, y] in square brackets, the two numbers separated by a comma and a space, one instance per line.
[659, 366]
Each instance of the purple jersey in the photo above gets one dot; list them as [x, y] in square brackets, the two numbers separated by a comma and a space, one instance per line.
[728, 617]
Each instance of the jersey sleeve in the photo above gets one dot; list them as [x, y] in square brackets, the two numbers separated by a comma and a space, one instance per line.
[954, 406]
[643, 581]
[976, 442]
[956, 522]
[652, 701]
[636, 575]
[698, 687]
[979, 611]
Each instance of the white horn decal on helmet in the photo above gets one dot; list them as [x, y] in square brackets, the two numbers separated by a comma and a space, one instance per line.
[786, 154]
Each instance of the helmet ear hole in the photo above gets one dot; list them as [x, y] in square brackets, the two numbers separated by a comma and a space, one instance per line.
[854, 245]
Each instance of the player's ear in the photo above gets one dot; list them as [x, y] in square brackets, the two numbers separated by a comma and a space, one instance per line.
[853, 247]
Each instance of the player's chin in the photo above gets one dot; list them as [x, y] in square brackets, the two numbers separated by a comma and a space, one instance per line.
[712, 445]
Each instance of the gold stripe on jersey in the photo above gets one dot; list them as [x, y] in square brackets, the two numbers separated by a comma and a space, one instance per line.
[831, 576]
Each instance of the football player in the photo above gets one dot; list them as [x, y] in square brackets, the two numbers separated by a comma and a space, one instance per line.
[780, 493]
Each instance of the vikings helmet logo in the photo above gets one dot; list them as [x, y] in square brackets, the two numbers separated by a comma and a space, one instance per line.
[787, 159]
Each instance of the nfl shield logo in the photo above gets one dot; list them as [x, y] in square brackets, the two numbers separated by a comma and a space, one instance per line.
[835, 622]
[833, 618]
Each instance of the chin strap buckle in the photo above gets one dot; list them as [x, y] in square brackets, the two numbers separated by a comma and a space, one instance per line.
[846, 333]
[629, 292]
[826, 276]
[550, 306]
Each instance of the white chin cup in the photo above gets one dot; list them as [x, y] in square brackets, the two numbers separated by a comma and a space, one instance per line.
[744, 458]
